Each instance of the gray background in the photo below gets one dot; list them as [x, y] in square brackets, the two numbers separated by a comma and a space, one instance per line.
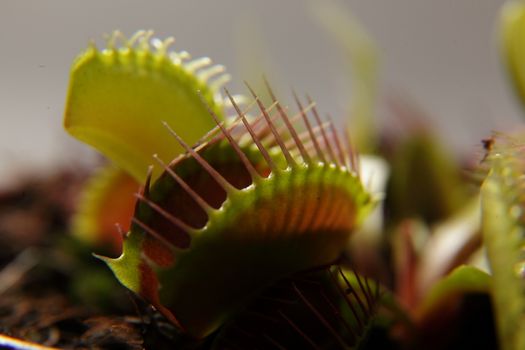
[441, 53]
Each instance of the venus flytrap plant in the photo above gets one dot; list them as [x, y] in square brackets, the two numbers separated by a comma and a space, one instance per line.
[259, 198]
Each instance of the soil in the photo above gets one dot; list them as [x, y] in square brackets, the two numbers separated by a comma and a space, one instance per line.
[52, 291]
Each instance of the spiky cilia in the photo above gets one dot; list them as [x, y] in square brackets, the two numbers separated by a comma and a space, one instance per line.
[258, 199]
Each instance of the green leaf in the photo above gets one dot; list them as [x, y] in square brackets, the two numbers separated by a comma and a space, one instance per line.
[512, 44]
[119, 96]
[503, 205]
[292, 209]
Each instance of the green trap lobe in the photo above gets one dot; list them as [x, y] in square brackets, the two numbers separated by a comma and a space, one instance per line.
[118, 98]
[254, 231]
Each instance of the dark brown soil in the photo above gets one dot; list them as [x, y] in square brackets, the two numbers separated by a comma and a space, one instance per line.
[52, 291]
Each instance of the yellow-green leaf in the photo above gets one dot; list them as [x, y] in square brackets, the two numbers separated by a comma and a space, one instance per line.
[502, 198]
[119, 96]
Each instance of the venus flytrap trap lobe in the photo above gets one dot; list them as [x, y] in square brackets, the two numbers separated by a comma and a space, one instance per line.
[238, 213]
[122, 87]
